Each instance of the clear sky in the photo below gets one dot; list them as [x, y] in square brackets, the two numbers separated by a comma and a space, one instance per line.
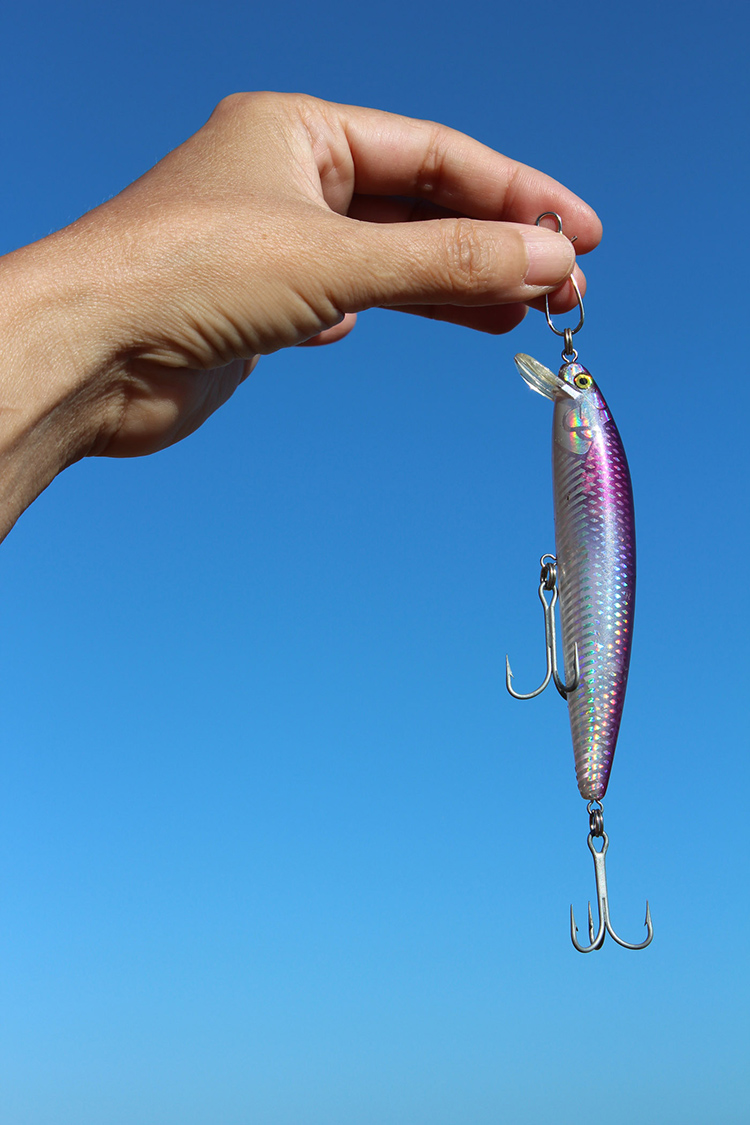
[276, 848]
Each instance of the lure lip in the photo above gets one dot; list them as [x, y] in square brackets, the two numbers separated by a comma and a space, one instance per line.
[542, 380]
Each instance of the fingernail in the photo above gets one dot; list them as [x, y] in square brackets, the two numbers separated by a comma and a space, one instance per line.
[550, 255]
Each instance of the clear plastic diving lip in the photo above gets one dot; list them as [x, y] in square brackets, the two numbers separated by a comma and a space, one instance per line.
[541, 379]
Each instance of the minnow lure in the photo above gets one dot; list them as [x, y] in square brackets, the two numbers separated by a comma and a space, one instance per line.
[593, 575]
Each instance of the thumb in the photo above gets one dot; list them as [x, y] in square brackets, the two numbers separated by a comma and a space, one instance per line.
[450, 262]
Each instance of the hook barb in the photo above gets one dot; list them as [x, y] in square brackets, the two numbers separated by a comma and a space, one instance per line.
[596, 940]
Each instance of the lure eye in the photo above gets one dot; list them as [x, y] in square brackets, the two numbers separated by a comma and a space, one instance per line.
[583, 382]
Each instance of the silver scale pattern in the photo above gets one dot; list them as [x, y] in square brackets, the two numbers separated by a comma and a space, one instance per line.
[595, 547]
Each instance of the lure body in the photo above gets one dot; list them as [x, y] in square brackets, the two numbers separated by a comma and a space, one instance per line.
[595, 550]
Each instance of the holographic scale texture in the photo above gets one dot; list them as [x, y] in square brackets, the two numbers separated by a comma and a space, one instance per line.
[595, 548]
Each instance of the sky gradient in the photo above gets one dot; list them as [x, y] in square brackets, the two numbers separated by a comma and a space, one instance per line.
[276, 847]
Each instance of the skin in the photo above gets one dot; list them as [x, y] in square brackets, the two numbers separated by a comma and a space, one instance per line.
[273, 226]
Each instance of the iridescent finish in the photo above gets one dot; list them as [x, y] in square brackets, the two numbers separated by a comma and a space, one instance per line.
[595, 549]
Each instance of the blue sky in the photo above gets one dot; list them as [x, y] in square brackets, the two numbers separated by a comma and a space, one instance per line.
[275, 845]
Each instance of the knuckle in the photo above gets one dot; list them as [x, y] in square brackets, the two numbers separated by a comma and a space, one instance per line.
[234, 104]
[256, 103]
[431, 167]
[468, 257]
[514, 186]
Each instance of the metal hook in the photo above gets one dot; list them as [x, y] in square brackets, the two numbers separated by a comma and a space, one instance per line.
[548, 582]
[567, 333]
[605, 925]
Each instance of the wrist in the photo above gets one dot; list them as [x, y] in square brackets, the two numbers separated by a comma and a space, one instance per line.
[53, 368]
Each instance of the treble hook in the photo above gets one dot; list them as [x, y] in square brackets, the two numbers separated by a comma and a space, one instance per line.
[548, 582]
[600, 871]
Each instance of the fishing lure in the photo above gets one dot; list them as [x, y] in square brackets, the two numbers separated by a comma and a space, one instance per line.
[593, 576]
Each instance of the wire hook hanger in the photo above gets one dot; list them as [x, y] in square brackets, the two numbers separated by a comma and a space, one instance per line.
[569, 353]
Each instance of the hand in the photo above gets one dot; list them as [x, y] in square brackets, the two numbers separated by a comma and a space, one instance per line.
[272, 226]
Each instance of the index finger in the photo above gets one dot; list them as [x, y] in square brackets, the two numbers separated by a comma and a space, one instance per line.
[394, 155]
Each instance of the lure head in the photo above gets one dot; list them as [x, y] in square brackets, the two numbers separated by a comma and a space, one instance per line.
[580, 409]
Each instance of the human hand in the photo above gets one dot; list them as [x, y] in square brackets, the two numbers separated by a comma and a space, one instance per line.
[273, 226]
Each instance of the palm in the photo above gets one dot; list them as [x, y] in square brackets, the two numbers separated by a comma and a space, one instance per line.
[164, 404]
